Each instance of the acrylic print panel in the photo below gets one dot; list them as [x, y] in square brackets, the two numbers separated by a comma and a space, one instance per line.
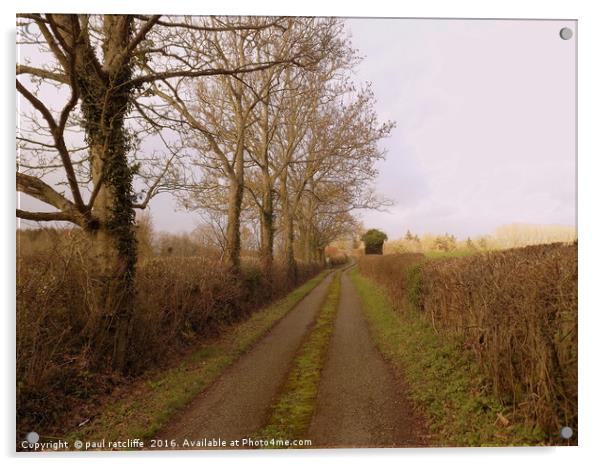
[261, 232]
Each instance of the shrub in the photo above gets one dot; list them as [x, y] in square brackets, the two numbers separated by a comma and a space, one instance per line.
[515, 310]
[62, 350]
[373, 241]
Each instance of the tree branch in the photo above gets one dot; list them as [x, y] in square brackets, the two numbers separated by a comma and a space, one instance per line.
[45, 216]
[41, 191]
[38, 105]
[141, 34]
[153, 189]
[206, 72]
[242, 27]
[57, 133]
[41, 73]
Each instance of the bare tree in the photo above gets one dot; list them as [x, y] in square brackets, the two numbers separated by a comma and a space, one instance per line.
[244, 112]
[289, 97]
[104, 69]
[231, 119]
[331, 167]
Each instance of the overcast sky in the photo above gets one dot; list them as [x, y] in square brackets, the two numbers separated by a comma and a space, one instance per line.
[485, 115]
[485, 136]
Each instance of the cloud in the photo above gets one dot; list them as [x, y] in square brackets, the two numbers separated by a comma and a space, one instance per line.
[485, 115]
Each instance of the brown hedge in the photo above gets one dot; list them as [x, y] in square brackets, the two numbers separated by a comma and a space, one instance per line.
[516, 310]
[63, 353]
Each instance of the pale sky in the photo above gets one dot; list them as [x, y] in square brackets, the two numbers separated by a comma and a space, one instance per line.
[485, 115]
[485, 135]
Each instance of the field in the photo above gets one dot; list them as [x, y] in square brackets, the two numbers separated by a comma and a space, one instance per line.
[513, 312]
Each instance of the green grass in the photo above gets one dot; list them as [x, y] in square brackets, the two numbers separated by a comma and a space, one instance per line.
[146, 409]
[294, 407]
[444, 382]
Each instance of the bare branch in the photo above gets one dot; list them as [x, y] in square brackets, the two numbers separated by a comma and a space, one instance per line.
[150, 22]
[41, 191]
[153, 189]
[204, 72]
[42, 73]
[45, 216]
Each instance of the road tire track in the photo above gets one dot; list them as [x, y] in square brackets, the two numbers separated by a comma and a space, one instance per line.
[237, 404]
[360, 402]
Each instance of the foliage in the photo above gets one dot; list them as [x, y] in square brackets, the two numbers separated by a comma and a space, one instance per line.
[335, 256]
[373, 241]
[518, 235]
[504, 237]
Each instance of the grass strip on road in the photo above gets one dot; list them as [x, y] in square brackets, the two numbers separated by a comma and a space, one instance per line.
[293, 410]
[444, 383]
[141, 413]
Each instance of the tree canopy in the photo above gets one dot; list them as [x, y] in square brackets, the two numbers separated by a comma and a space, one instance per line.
[373, 241]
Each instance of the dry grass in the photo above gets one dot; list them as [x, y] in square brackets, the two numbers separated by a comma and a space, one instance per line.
[515, 310]
[63, 353]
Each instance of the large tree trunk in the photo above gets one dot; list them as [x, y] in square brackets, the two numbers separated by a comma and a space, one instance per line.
[235, 196]
[267, 243]
[315, 252]
[289, 236]
[114, 255]
[267, 229]
[321, 255]
[105, 98]
[304, 243]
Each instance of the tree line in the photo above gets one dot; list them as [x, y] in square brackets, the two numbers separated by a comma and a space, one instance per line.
[242, 118]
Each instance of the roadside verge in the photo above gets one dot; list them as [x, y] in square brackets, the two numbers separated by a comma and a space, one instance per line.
[443, 382]
[152, 402]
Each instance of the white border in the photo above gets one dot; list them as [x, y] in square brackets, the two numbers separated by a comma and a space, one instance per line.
[590, 234]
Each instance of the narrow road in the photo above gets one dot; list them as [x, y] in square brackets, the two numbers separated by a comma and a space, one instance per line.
[360, 403]
[237, 404]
